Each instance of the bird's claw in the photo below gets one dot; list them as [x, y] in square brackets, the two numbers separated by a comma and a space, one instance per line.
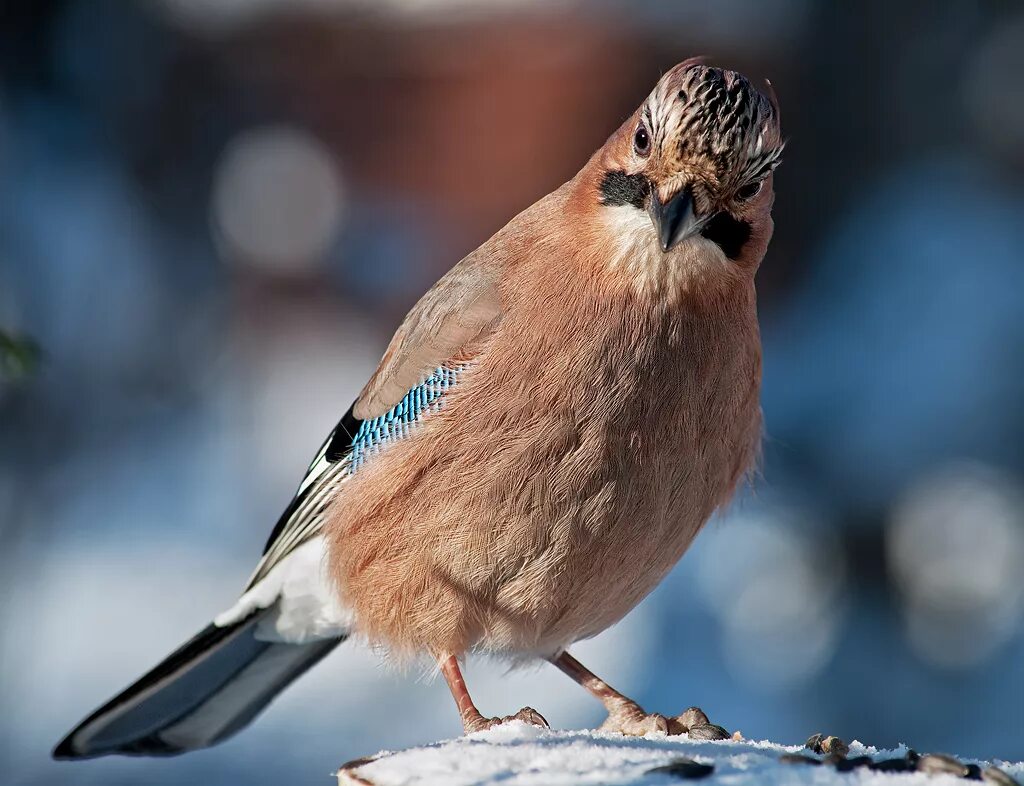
[526, 715]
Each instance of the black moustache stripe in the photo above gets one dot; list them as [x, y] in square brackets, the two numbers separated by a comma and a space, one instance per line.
[618, 188]
[729, 233]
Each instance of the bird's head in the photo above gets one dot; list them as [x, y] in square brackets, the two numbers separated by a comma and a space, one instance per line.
[697, 158]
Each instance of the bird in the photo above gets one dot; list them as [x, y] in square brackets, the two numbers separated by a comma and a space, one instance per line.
[546, 433]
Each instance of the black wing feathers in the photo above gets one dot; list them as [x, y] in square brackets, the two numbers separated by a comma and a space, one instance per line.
[333, 450]
[206, 690]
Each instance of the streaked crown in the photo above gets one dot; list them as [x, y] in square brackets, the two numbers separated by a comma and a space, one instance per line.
[717, 116]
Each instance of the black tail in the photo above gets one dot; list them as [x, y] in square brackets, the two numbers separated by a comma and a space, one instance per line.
[201, 694]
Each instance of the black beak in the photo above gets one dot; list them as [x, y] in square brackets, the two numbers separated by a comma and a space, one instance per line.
[675, 220]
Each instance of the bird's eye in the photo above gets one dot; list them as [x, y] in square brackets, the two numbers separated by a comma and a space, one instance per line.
[749, 191]
[642, 142]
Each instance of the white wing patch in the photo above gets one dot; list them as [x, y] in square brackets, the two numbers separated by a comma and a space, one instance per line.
[305, 606]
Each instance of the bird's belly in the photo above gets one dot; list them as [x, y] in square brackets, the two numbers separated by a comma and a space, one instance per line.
[590, 573]
[521, 532]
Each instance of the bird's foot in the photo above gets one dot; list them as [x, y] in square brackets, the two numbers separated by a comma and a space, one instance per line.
[478, 722]
[627, 717]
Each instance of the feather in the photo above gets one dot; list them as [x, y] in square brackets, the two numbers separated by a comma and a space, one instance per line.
[208, 689]
[303, 517]
[457, 312]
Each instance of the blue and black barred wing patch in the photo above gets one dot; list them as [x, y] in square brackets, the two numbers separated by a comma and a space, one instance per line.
[348, 448]
[374, 435]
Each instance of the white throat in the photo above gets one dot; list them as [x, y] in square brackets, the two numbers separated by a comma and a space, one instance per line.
[634, 249]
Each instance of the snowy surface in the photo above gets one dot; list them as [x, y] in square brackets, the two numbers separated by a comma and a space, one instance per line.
[519, 755]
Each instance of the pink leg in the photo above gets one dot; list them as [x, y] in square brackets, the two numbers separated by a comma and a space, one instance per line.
[627, 717]
[472, 719]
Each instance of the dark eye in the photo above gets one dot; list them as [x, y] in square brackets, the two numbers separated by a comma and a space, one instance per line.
[641, 142]
[749, 191]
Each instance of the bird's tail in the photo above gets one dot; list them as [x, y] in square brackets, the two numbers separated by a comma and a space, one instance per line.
[204, 692]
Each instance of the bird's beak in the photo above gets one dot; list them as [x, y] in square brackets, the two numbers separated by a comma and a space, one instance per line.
[675, 220]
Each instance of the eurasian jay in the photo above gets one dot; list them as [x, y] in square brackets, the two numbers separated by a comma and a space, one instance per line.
[548, 430]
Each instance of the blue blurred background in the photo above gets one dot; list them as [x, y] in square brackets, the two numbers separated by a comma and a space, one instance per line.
[214, 214]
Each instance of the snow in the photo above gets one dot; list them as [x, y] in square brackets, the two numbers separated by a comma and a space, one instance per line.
[516, 754]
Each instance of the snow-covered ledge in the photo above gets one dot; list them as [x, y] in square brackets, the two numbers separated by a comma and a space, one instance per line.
[520, 755]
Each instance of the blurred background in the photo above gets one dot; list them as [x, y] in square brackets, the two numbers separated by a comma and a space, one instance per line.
[213, 216]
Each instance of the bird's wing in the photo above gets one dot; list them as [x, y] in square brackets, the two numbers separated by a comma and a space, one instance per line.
[303, 517]
[461, 308]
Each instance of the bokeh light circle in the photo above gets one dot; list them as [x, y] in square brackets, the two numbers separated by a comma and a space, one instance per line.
[277, 199]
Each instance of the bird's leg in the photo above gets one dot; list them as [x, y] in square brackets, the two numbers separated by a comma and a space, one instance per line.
[472, 720]
[627, 717]
[624, 714]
